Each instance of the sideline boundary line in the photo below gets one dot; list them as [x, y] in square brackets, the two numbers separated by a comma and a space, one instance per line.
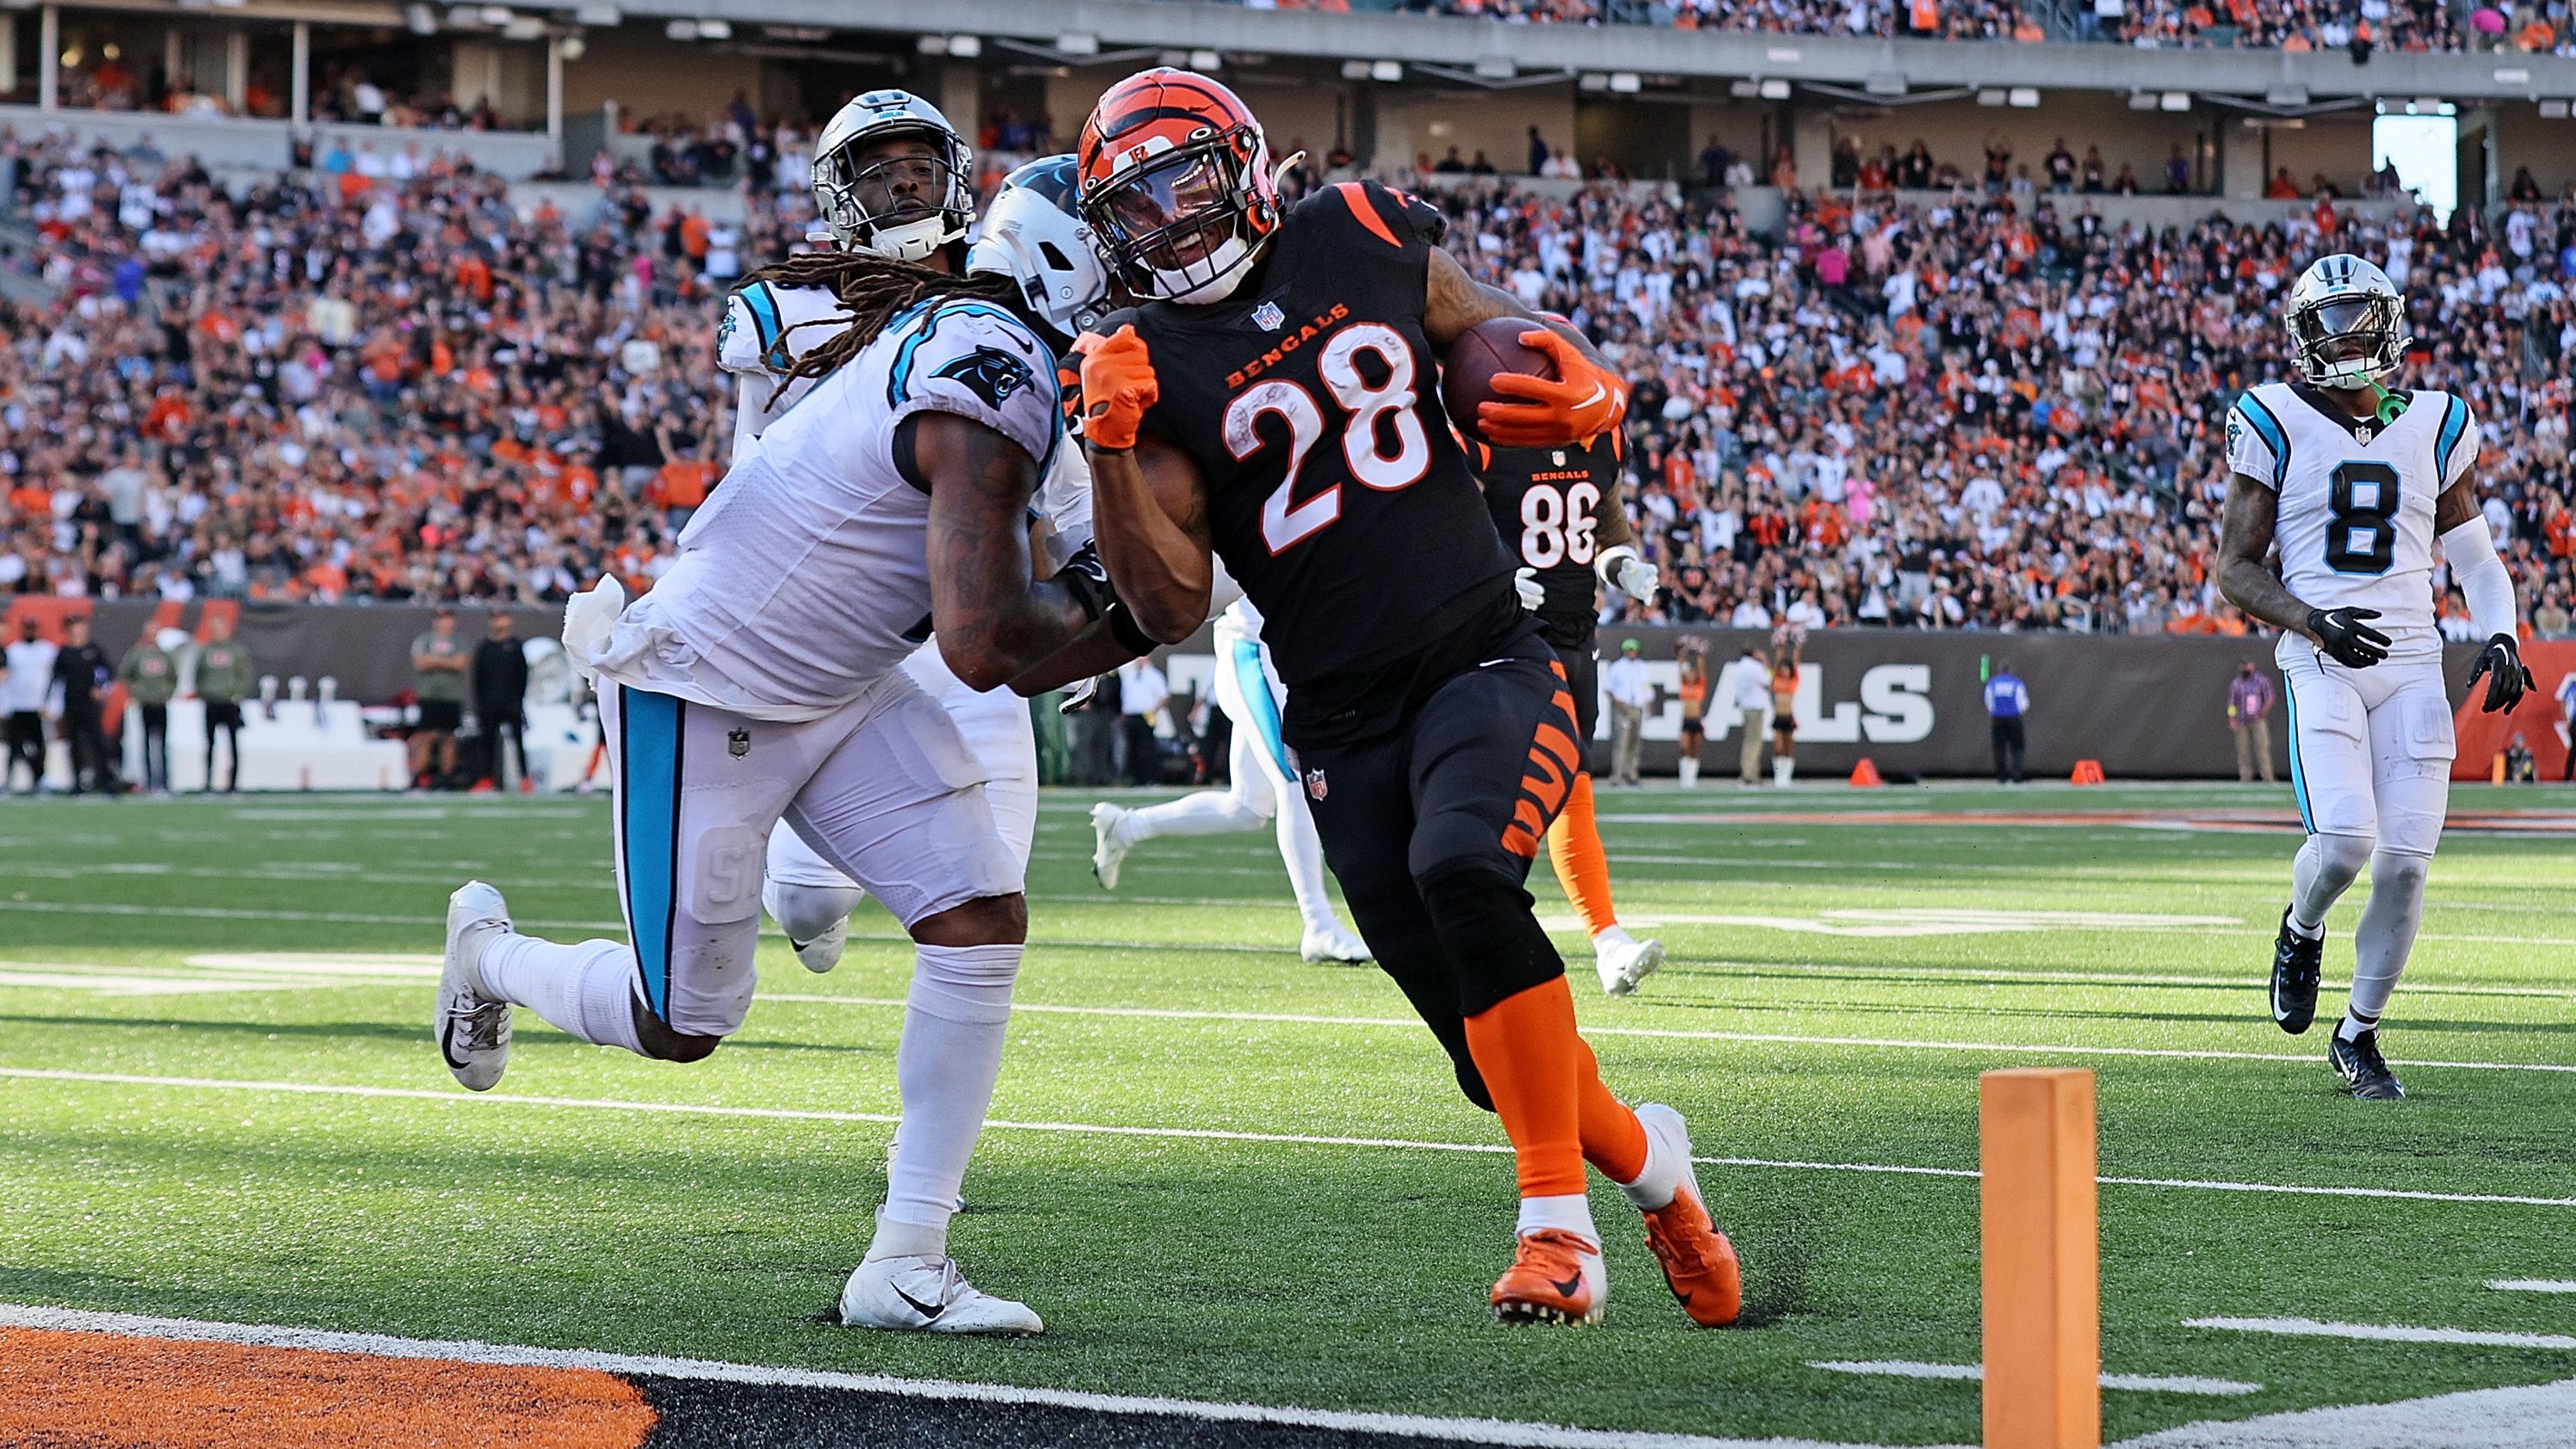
[1480, 1431]
[1201, 1134]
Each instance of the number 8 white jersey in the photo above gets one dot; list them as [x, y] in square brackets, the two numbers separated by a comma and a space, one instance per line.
[2355, 520]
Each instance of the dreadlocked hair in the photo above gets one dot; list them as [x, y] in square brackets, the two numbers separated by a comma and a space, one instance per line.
[871, 290]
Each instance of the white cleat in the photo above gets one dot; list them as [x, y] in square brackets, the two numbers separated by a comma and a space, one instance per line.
[473, 1029]
[1623, 960]
[1108, 850]
[929, 1295]
[823, 952]
[1333, 944]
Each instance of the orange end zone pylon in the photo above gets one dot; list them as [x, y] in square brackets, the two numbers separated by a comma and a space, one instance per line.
[2042, 1293]
[1865, 775]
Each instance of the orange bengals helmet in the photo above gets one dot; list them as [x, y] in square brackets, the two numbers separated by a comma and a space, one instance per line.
[1176, 183]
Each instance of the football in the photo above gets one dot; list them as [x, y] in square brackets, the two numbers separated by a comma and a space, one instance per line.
[1489, 347]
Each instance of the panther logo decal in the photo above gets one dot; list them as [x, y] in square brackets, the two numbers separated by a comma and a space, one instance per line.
[989, 373]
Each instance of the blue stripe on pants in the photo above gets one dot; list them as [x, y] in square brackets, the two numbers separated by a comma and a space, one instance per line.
[1255, 684]
[2298, 777]
[648, 741]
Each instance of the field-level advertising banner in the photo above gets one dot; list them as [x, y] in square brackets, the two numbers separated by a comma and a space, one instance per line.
[1911, 701]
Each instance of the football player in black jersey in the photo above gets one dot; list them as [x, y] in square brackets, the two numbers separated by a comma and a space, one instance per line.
[1560, 516]
[1275, 403]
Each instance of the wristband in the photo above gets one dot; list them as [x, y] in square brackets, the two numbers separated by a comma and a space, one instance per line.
[1124, 628]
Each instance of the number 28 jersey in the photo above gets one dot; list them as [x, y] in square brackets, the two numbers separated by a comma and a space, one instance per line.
[1337, 495]
[2354, 522]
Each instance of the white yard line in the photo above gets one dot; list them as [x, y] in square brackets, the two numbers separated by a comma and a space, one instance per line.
[1202, 1134]
[1681, 1034]
[2531, 1285]
[2540, 1416]
[2384, 1332]
[2139, 1383]
[1476, 1431]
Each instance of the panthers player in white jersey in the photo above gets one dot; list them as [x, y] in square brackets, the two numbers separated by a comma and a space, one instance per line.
[2356, 482]
[1030, 236]
[1264, 792]
[762, 679]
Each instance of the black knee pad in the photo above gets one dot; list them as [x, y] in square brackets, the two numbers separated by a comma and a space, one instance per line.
[663, 1044]
[1493, 939]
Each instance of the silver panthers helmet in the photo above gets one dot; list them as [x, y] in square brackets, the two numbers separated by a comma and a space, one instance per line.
[1033, 234]
[838, 172]
[2347, 323]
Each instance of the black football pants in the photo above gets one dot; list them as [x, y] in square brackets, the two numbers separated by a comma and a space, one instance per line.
[1431, 830]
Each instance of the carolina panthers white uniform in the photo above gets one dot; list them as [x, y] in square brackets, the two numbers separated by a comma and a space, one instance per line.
[760, 681]
[765, 329]
[2370, 749]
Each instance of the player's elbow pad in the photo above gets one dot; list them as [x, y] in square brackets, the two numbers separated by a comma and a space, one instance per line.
[2482, 578]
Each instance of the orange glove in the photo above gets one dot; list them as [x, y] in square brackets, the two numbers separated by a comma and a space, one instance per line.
[1117, 386]
[1587, 402]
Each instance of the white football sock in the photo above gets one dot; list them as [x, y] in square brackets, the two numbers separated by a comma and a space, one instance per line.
[1570, 1211]
[949, 1058]
[585, 990]
[1208, 812]
[906, 1240]
[1302, 851]
[2386, 936]
[2321, 874]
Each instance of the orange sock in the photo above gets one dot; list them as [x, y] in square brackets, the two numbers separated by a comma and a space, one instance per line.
[1582, 867]
[1613, 1139]
[1525, 1047]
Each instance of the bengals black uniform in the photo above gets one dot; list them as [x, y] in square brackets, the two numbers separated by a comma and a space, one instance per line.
[1556, 509]
[1430, 724]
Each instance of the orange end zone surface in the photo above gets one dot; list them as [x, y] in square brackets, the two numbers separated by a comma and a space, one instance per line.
[95, 1390]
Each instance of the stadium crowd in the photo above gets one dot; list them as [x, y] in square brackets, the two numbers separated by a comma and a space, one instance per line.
[1994, 412]
[2361, 26]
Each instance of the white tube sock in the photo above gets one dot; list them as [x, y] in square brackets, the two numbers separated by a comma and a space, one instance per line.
[2321, 874]
[949, 1058]
[2386, 936]
[1208, 812]
[585, 990]
[1690, 773]
[1302, 851]
[1571, 1212]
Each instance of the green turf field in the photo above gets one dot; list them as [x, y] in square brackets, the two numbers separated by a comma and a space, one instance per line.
[221, 1102]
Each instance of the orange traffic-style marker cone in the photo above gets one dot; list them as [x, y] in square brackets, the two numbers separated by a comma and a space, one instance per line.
[2087, 772]
[1865, 775]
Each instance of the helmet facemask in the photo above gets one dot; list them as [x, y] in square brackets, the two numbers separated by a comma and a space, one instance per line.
[858, 196]
[1186, 225]
[2348, 340]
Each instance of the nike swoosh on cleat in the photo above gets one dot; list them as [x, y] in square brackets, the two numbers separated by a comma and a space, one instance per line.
[929, 1311]
[1566, 1288]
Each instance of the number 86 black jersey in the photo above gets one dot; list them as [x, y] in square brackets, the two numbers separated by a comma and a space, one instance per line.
[1337, 494]
[1547, 505]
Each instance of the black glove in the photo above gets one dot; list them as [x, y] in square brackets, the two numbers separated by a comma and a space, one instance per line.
[2508, 677]
[1086, 578]
[2347, 640]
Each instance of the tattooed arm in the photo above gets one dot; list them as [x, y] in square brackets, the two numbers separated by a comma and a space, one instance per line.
[992, 621]
[2246, 536]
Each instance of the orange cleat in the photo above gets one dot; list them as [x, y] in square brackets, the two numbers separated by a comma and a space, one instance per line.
[1555, 1277]
[1698, 1261]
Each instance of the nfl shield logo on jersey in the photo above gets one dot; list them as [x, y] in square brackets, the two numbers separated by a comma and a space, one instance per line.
[738, 742]
[1268, 317]
[1316, 789]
